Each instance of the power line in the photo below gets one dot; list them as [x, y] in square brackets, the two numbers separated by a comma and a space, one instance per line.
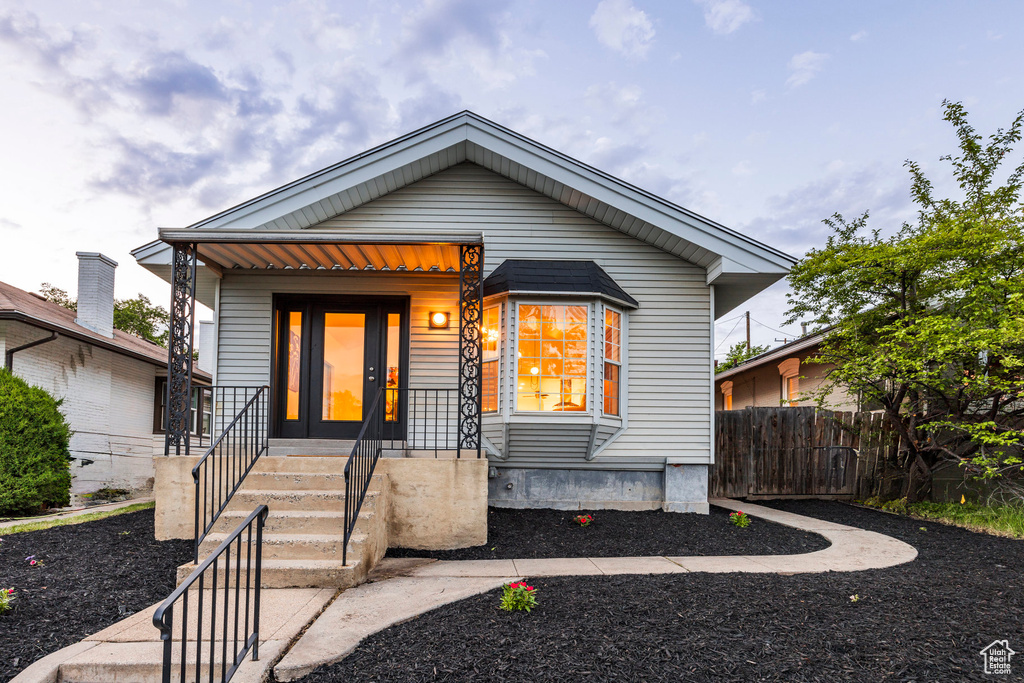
[788, 334]
[726, 337]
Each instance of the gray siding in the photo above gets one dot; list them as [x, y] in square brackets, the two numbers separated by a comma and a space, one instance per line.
[668, 345]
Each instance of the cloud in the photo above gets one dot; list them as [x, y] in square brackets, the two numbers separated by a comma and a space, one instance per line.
[792, 221]
[742, 169]
[622, 27]
[725, 16]
[757, 96]
[859, 36]
[441, 22]
[145, 167]
[51, 47]
[172, 76]
[804, 67]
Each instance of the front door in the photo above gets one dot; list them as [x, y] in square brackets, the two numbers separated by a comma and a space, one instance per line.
[333, 355]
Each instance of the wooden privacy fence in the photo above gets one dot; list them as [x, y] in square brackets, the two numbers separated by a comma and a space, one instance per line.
[783, 452]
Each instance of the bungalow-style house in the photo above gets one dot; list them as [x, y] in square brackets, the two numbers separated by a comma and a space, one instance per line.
[780, 377]
[110, 381]
[500, 323]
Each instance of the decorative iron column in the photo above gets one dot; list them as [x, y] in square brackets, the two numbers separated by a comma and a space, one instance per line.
[471, 313]
[179, 348]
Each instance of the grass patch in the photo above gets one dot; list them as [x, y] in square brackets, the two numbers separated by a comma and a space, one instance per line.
[76, 519]
[1001, 520]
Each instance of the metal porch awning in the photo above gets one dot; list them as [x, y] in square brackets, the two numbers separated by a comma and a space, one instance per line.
[226, 249]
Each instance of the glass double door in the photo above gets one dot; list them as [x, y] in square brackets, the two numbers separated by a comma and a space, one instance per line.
[333, 356]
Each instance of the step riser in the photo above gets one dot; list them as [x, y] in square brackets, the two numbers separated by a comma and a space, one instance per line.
[320, 501]
[315, 548]
[281, 481]
[294, 577]
[302, 465]
[329, 526]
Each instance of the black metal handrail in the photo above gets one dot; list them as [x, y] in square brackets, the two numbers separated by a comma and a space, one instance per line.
[359, 467]
[163, 618]
[422, 419]
[220, 472]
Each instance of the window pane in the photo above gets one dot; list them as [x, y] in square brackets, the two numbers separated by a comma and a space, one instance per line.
[551, 371]
[491, 332]
[529, 322]
[490, 387]
[394, 345]
[343, 366]
[612, 336]
[294, 364]
[611, 389]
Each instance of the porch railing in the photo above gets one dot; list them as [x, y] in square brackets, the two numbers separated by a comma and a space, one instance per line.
[236, 618]
[221, 470]
[421, 419]
[361, 462]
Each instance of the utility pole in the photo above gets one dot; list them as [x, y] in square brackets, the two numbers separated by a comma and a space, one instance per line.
[747, 314]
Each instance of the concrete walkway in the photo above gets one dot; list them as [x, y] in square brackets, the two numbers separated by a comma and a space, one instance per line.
[73, 512]
[402, 589]
[130, 650]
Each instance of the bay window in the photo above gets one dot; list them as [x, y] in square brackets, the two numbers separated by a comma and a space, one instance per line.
[552, 358]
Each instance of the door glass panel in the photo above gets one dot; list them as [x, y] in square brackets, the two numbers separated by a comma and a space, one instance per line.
[294, 364]
[343, 366]
[394, 340]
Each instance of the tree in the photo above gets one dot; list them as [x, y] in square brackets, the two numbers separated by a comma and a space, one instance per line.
[739, 354]
[929, 322]
[140, 317]
[136, 316]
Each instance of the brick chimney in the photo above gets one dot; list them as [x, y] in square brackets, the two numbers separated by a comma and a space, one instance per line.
[96, 292]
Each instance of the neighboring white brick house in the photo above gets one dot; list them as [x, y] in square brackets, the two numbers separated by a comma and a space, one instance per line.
[106, 378]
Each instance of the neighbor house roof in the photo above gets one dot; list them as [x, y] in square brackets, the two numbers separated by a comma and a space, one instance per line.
[774, 355]
[30, 308]
[738, 265]
[523, 276]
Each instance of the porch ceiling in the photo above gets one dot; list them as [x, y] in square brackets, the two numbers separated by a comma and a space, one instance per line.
[293, 250]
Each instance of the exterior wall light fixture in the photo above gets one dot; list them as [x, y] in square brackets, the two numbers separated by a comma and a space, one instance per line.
[439, 320]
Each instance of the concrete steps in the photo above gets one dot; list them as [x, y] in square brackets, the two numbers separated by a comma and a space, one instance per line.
[303, 536]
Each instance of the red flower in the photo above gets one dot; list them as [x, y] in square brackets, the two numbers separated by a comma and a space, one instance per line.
[529, 588]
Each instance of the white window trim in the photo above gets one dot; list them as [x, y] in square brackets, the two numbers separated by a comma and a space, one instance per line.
[727, 387]
[499, 304]
[513, 373]
[789, 369]
[621, 362]
[508, 378]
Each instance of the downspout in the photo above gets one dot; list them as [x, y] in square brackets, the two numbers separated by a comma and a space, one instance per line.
[9, 356]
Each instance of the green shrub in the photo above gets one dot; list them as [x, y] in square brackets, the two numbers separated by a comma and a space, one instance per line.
[34, 455]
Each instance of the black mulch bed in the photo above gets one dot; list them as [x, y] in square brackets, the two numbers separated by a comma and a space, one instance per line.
[91, 576]
[529, 534]
[923, 621]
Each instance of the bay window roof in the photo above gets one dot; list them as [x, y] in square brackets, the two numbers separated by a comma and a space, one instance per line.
[576, 278]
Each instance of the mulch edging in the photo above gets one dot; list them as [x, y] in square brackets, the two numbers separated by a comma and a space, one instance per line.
[530, 534]
[91, 576]
[922, 621]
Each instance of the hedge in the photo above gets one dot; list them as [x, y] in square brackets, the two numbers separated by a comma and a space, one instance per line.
[34, 455]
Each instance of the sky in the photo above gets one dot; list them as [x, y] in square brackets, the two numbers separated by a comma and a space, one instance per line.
[122, 117]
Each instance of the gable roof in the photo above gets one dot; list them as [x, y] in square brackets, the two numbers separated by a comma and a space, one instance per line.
[738, 265]
[778, 353]
[524, 276]
[21, 306]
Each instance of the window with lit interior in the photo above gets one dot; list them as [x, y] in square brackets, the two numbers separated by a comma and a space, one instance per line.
[492, 352]
[612, 360]
[551, 368]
